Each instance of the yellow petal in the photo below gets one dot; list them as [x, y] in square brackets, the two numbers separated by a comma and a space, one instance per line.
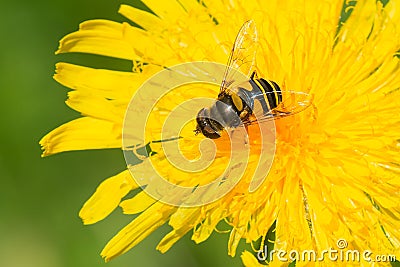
[138, 203]
[358, 26]
[206, 228]
[150, 48]
[190, 5]
[143, 18]
[234, 239]
[79, 134]
[95, 32]
[96, 106]
[137, 230]
[106, 83]
[171, 238]
[107, 197]
[167, 9]
[183, 220]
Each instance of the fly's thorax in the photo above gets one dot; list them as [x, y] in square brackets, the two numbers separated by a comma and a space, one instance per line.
[225, 111]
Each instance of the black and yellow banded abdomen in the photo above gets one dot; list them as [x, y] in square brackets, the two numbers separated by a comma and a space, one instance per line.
[266, 92]
[272, 92]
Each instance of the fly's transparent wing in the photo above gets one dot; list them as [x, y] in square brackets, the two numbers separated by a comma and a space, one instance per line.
[242, 56]
[292, 103]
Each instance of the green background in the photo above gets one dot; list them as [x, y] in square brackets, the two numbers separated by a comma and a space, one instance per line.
[40, 197]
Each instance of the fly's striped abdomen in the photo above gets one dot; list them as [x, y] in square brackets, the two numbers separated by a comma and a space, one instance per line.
[267, 93]
[271, 92]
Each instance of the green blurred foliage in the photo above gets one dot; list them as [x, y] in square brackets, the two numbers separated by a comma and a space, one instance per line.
[40, 197]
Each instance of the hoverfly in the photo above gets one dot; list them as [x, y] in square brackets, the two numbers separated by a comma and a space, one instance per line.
[249, 101]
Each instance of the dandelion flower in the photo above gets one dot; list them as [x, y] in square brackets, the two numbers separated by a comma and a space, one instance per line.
[336, 171]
